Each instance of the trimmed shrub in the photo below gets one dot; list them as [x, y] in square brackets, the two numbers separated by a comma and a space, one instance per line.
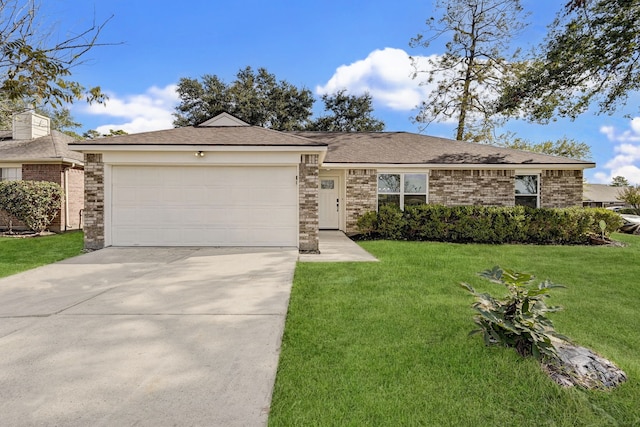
[391, 223]
[35, 203]
[488, 224]
[613, 220]
[368, 224]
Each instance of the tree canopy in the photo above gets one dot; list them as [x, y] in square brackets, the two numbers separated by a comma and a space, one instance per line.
[591, 54]
[564, 147]
[255, 97]
[469, 75]
[94, 134]
[35, 65]
[349, 113]
[619, 181]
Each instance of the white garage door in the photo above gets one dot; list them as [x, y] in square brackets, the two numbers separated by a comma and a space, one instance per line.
[204, 206]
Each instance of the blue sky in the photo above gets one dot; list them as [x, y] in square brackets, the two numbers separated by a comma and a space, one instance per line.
[360, 45]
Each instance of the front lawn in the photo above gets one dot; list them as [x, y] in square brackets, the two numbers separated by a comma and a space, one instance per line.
[20, 254]
[385, 344]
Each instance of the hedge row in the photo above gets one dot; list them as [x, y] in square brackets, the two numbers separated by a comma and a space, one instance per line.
[485, 224]
[35, 203]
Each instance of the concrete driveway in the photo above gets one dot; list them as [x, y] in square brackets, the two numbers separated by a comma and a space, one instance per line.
[145, 337]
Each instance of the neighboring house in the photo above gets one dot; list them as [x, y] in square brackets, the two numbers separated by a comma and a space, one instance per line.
[225, 183]
[601, 196]
[32, 151]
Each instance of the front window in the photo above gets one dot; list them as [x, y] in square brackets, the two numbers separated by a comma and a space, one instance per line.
[402, 189]
[527, 191]
[10, 174]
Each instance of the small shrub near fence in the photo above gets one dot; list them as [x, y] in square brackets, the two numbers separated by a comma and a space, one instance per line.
[486, 224]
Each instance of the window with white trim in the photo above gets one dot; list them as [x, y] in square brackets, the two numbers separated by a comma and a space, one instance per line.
[10, 174]
[528, 190]
[402, 189]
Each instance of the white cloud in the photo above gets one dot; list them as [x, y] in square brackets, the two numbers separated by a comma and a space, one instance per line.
[626, 161]
[386, 74]
[149, 111]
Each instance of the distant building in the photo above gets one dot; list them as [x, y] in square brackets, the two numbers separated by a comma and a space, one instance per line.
[601, 196]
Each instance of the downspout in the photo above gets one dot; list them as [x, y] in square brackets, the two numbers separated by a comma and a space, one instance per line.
[66, 198]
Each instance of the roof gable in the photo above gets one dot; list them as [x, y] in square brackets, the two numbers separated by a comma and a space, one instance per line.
[223, 119]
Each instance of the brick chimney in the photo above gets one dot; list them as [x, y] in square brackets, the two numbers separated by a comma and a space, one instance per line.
[29, 125]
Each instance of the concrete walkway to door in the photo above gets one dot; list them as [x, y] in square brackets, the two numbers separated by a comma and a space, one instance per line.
[335, 246]
[144, 336]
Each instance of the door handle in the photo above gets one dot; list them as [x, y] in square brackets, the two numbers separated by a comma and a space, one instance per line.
[337, 205]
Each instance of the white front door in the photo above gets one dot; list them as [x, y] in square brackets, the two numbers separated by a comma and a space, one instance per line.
[329, 203]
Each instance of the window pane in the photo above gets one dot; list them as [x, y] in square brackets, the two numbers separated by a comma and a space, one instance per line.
[388, 199]
[388, 183]
[10, 174]
[415, 183]
[414, 199]
[326, 184]
[526, 184]
[531, 201]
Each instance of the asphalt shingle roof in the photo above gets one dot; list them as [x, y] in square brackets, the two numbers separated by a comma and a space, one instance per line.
[209, 135]
[411, 148]
[601, 193]
[344, 147]
[51, 147]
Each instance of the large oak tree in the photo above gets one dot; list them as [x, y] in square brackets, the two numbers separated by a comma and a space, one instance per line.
[255, 97]
[347, 113]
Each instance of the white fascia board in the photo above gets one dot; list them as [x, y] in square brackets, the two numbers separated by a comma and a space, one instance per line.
[43, 161]
[207, 158]
[94, 148]
[508, 166]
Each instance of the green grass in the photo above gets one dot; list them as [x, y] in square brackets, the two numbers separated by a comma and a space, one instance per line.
[386, 344]
[18, 254]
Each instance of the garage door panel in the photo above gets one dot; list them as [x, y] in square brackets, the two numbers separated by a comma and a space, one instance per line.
[204, 206]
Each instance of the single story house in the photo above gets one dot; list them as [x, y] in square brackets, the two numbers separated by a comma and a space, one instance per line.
[225, 183]
[602, 196]
[32, 151]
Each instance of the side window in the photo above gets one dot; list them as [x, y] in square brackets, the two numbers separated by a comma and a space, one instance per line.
[527, 191]
[389, 189]
[10, 174]
[402, 189]
[415, 189]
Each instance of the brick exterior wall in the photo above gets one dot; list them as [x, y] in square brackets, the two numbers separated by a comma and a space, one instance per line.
[561, 188]
[308, 184]
[472, 187]
[93, 201]
[361, 194]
